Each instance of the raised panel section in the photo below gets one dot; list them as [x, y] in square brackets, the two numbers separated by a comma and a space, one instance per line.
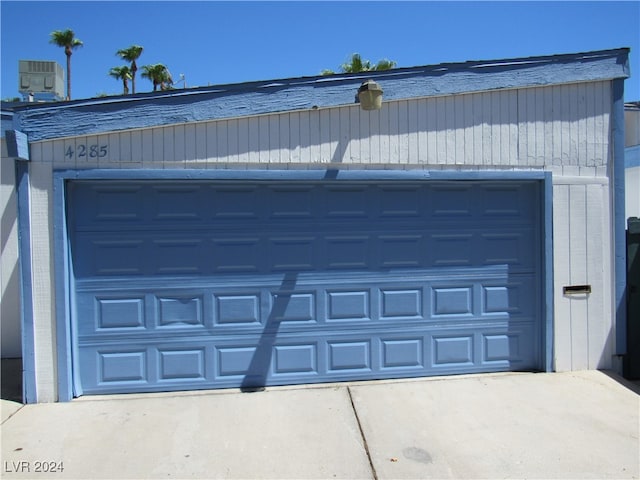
[122, 366]
[122, 204]
[401, 303]
[292, 253]
[402, 251]
[291, 202]
[402, 353]
[177, 256]
[452, 301]
[451, 201]
[115, 257]
[237, 309]
[180, 203]
[506, 201]
[234, 361]
[180, 311]
[347, 202]
[120, 312]
[182, 364]
[236, 255]
[448, 250]
[501, 347]
[293, 307]
[503, 249]
[349, 356]
[347, 252]
[348, 305]
[452, 350]
[295, 359]
[399, 201]
[513, 298]
[235, 203]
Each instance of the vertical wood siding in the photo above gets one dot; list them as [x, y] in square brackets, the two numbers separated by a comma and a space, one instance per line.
[582, 255]
[558, 127]
[564, 129]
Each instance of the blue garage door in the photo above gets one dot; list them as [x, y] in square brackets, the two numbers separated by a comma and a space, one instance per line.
[208, 284]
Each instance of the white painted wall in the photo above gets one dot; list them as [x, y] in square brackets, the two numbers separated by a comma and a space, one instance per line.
[632, 192]
[11, 346]
[560, 128]
[563, 129]
[632, 153]
[632, 124]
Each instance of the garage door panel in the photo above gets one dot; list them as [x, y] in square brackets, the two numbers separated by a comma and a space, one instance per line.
[347, 202]
[347, 251]
[510, 202]
[352, 355]
[117, 203]
[402, 303]
[237, 309]
[288, 358]
[295, 359]
[114, 369]
[399, 201]
[292, 201]
[402, 251]
[180, 310]
[235, 202]
[304, 304]
[188, 254]
[237, 254]
[348, 305]
[449, 202]
[452, 350]
[188, 364]
[182, 203]
[400, 354]
[295, 253]
[205, 284]
[514, 248]
[511, 298]
[452, 301]
[119, 313]
[292, 307]
[120, 367]
[452, 201]
[108, 255]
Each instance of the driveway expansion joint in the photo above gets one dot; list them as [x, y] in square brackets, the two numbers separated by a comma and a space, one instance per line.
[364, 439]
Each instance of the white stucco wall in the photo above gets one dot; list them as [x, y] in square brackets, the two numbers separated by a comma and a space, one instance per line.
[9, 266]
[632, 159]
[632, 192]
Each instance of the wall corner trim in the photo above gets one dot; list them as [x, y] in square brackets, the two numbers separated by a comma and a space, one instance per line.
[29, 392]
[619, 220]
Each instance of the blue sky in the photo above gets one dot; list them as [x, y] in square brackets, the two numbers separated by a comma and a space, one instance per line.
[230, 42]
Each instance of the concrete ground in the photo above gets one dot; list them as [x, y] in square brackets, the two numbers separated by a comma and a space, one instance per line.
[515, 425]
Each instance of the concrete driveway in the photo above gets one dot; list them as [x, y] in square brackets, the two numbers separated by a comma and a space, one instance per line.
[516, 425]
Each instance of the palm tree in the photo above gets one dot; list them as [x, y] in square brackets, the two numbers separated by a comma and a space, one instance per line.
[384, 64]
[66, 39]
[122, 73]
[159, 74]
[130, 55]
[356, 64]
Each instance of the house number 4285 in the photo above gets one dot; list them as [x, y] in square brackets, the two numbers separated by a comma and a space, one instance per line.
[84, 151]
